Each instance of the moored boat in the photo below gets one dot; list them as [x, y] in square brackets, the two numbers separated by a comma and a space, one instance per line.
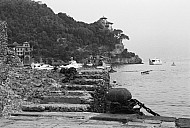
[41, 66]
[73, 64]
[155, 62]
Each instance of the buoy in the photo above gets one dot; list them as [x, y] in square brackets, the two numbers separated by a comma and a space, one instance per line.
[173, 64]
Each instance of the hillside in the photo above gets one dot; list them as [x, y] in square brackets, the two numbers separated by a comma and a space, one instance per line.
[56, 36]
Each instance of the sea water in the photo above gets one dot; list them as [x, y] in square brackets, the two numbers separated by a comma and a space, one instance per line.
[166, 89]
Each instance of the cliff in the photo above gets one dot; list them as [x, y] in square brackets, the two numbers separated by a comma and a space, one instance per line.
[34, 22]
[123, 60]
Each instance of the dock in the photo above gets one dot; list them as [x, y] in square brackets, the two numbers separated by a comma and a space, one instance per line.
[89, 120]
[82, 105]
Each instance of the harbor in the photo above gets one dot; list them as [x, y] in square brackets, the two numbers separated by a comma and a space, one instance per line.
[71, 108]
[59, 71]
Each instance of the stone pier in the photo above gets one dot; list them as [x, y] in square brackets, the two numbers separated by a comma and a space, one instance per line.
[31, 98]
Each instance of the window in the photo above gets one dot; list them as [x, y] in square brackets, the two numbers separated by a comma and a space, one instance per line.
[27, 53]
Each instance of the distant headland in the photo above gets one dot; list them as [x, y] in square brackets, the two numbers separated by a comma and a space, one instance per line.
[59, 37]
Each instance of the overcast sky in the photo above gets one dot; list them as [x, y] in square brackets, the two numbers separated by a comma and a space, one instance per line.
[157, 28]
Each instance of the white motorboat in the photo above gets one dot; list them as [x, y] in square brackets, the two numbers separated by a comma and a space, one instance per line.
[155, 62]
[41, 66]
[73, 64]
[90, 64]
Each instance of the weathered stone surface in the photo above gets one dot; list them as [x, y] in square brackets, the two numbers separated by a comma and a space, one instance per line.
[133, 120]
[79, 93]
[95, 76]
[66, 99]
[79, 87]
[10, 101]
[3, 39]
[183, 123]
[83, 119]
[92, 72]
[56, 107]
[162, 118]
[87, 81]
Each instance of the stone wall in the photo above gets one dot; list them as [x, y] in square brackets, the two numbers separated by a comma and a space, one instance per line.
[3, 40]
[3, 51]
[8, 60]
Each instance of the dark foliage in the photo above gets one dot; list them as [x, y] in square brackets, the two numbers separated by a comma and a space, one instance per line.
[54, 35]
[126, 54]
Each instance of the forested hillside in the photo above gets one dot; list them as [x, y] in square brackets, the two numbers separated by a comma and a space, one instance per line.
[55, 35]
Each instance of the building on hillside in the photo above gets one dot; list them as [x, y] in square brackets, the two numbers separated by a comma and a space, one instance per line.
[106, 24]
[23, 52]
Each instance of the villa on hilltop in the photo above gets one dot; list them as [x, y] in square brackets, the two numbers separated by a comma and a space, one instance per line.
[106, 24]
[119, 47]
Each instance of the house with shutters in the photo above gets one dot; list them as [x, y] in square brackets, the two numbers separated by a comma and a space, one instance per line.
[23, 51]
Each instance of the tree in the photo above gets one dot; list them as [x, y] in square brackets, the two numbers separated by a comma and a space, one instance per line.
[57, 35]
[123, 36]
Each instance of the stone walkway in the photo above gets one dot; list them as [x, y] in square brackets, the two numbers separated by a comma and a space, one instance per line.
[87, 120]
[54, 122]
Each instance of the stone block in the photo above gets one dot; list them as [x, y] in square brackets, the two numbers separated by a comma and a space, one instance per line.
[183, 123]
[56, 108]
[66, 99]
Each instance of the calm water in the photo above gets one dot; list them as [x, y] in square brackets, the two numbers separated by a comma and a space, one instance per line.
[166, 90]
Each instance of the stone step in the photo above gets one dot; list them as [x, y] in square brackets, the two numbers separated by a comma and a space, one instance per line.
[79, 87]
[93, 76]
[66, 99]
[183, 123]
[79, 93]
[70, 93]
[57, 93]
[91, 71]
[56, 108]
[88, 81]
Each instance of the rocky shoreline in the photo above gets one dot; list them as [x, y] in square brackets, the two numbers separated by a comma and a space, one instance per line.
[49, 98]
[41, 97]
[133, 60]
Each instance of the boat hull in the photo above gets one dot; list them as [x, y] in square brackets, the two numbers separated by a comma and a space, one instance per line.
[155, 62]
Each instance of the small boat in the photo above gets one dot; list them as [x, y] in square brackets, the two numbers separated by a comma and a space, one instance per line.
[41, 66]
[173, 64]
[90, 64]
[155, 62]
[145, 72]
[73, 64]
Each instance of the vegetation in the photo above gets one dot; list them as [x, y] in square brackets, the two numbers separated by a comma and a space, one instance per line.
[53, 35]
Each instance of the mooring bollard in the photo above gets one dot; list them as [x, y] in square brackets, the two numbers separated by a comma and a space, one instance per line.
[120, 101]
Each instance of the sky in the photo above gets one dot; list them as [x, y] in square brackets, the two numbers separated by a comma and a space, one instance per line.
[156, 28]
